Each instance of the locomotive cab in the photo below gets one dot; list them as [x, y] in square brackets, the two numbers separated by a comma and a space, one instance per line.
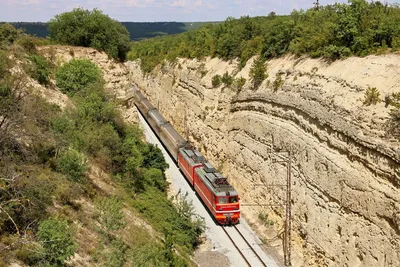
[228, 208]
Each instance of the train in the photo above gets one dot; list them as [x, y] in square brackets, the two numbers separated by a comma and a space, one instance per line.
[219, 197]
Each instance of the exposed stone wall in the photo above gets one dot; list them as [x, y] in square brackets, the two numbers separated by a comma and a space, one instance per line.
[346, 197]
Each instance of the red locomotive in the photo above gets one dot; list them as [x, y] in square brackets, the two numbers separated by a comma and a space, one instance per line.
[218, 195]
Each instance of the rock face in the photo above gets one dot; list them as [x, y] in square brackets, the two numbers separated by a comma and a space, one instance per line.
[114, 74]
[345, 160]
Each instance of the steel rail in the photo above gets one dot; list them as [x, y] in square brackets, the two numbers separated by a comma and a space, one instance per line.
[247, 243]
[238, 249]
[252, 249]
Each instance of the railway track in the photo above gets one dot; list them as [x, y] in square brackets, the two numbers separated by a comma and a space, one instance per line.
[246, 250]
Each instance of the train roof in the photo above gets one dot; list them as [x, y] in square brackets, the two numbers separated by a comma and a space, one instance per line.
[215, 181]
[157, 117]
[192, 156]
[143, 100]
[173, 135]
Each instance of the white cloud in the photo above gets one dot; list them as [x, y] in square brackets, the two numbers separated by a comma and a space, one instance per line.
[23, 3]
[179, 3]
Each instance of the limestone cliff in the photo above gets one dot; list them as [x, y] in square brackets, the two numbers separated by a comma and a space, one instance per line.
[345, 189]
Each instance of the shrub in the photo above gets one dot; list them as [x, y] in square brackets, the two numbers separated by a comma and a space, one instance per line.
[393, 100]
[153, 158]
[239, 83]
[216, 81]
[395, 114]
[28, 43]
[155, 178]
[227, 79]
[371, 96]
[5, 64]
[156, 208]
[116, 256]
[56, 237]
[336, 52]
[72, 164]
[77, 74]
[258, 72]
[278, 82]
[91, 29]
[111, 215]
[40, 69]
[8, 35]
[93, 104]
[202, 70]
[263, 217]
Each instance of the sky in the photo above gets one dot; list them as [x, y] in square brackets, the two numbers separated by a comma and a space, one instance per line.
[154, 10]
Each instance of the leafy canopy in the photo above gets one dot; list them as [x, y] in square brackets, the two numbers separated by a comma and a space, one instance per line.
[57, 240]
[87, 28]
[77, 74]
[334, 31]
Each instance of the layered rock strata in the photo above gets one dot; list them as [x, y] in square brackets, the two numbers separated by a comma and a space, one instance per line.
[345, 156]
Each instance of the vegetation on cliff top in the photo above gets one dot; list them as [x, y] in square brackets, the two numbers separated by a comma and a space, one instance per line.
[87, 28]
[333, 31]
[46, 157]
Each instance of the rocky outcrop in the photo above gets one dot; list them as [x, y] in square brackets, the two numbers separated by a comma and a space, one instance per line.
[115, 76]
[345, 167]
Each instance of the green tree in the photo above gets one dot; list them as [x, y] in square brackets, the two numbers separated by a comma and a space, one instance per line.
[57, 239]
[227, 79]
[77, 74]
[8, 35]
[111, 215]
[216, 81]
[372, 96]
[153, 158]
[155, 178]
[87, 28]
[40, 69]
[258, 72]
[72, 164]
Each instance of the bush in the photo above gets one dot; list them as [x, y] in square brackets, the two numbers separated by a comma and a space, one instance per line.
[171, 219]
[111, 215]
[5, 64]
[155, 178]
[371, 96]
[278, 82]
[227, 79]
[202, 70]
[258, 72]
[239, 83]
[28, 43]
[395, 114]
[116, 256]
[8, 35]
[91, 29]
[93, 105]
[216, 81]
[41, 69]
[77, 74]
[153, 158]
[56, 237]
[72, 164]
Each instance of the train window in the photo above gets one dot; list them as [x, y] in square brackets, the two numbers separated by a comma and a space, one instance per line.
[233, 200]
[223, 200]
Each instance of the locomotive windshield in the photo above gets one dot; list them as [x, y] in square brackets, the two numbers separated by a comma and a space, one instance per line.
[222, 200]
[233, 199]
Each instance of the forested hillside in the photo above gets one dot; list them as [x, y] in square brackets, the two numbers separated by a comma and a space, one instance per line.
[334, 31]
[137, 30]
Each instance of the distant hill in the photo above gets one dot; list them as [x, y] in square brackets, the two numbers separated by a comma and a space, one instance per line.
[137, 30]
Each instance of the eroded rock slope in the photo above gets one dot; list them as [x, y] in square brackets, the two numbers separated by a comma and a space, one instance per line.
[345, 168]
